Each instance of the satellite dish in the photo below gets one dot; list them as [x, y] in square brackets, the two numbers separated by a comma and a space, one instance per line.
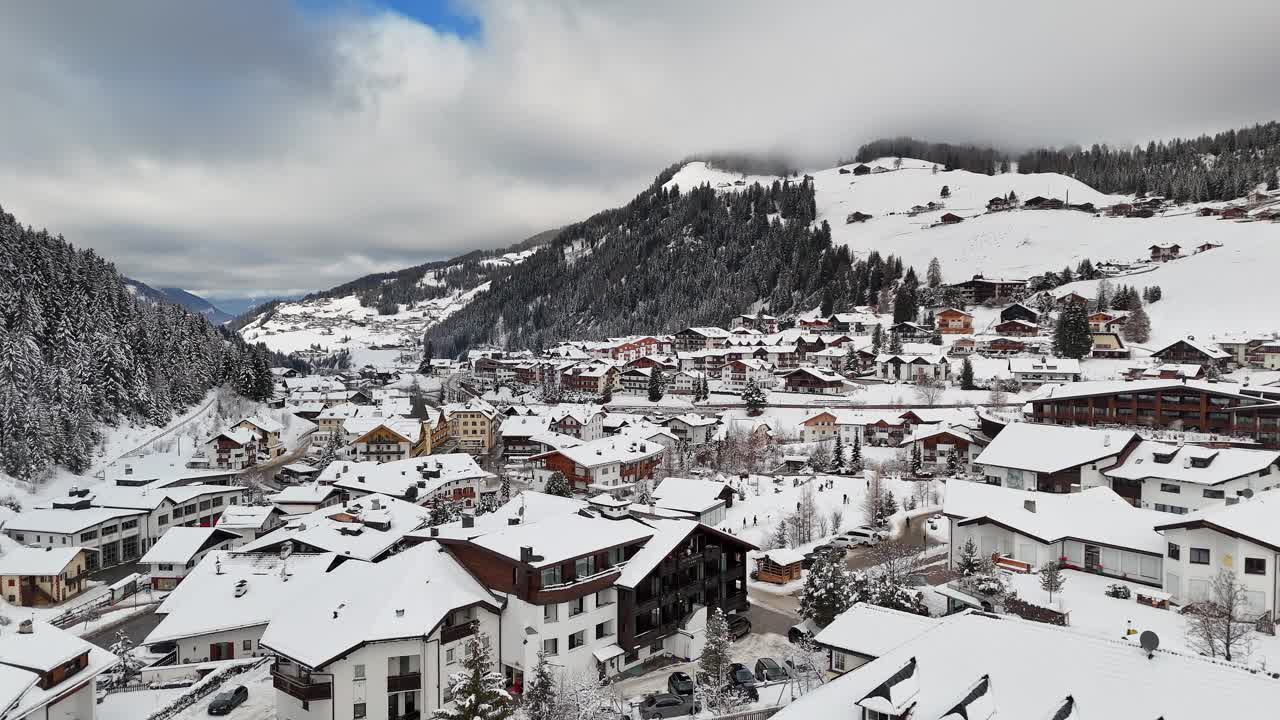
[1149, 641]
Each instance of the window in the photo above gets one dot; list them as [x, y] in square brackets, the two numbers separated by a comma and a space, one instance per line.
[217, 502]
[448, 656]
[357, 672]
[1175, 552]
[577, 639]
[577, 607]
[873, 715]
[655, 647]
[166, 566]
[402, 665]
[604, 597]
[1255, 566]
[1214, 494]
[550, 613]
[88, 535]
[551, 646]
[357, 710]
[837, 661]
[551, 576]
[1170, 488]
[247, 645]
[1199, 556]
[163, 520]
[204, 504]
[584, 567]
[129, 524]
[604, 629]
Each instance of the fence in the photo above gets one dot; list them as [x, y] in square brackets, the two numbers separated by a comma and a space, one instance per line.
[763, 714]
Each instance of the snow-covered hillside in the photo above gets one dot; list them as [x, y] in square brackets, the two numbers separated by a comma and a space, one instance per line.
[1225, 289]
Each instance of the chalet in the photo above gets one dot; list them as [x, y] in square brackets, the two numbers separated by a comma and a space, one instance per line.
[368, 529]
[779, 566]
[1071, 298]
[1095, 530]
[912, 368]
[1016, 328]
[856, 217]
[997, 204]
[866, 632]
[250, 522]
[1207, 246]
[700, 338]
[814, 323]
[684, 382]
[1265, 355]
[961, 346]
[1234, 213]
[938, 442]
[736, 374]
[180, 549]
[473, 423]
[612, 465]
[782, 357]
[590, 379]
[1165, 252]
[1185, 478]
[1108, 345]
[1190, 350]
[760, 321]
[1104, 321]
[950, 219]
[981, 289]
[855, 323]
[231, 450]
[39, 577]
[703, 500]
[936, 674]
[665, 363]
[1001, 346]
[1208, 211]
[1053, 459]
[1043, 203]
[452, 477]
[912, 332]
[878, 169]
[806, 344]
[951, 321]
[1241, 537]
[303, 499]
[692, 428]
[812, 380]
[1038, 371]
[1019, 311]
[386, 440]
[1165, 371]
[49, 673]
[861, 170]
[1120, 210]
[267, 431]
[584, 422]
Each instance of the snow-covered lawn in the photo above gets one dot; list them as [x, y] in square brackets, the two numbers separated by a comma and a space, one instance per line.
[136, 705]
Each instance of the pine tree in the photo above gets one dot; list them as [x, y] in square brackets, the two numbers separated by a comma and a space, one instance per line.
[966, 375]
[424, 367]
[1071, 336]
[558, 485]
[505, 491]
[877, 339]
[968, 563]
[917, 461]
[946, 191]
[656, 385]
[610, 387]
[780, 537]
[827, 589]
[477, 692]
[754, 397]
[888, 505]
[540, 700]
[331, 451]
[1137, 328]
[895, 344]
[851, 361]
[837, 456]
[1051, 579]
[955, 465]
[905, 304]
[934, 274]
[855, 455]
[716, 656]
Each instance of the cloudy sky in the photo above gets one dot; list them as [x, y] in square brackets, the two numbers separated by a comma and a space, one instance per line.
[242, 148]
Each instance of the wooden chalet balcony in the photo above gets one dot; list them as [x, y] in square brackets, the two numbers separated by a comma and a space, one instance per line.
[302, 688]
[404, 683]
[454, 633]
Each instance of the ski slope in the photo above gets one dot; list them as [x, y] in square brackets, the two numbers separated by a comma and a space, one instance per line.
[1224, 290]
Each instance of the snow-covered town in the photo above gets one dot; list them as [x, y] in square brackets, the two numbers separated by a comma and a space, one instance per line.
[454, 360]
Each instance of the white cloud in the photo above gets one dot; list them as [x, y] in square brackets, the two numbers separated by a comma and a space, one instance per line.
[232, 147]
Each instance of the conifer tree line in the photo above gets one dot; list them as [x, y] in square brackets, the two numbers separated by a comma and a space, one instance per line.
[1224, 166]
[670, 259]
[78, 349]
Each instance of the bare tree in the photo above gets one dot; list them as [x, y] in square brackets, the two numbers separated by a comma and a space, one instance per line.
[871, 500]
[895, 560]
[837, 519]
[929, 390]
[1222, 625]
[997, 396]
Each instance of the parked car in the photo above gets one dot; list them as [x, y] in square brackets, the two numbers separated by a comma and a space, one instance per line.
[861, 536]
[812, 556]
[228, 700]
[768, 670]
[802, 629]
[739, 626]
[667, 705]
[679, 683]
[742, 681]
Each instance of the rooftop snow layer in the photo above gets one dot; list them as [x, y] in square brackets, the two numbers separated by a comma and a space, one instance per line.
[1051, 448]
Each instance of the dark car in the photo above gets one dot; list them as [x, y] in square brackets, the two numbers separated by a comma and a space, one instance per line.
[667, 705]
[679, 683]
[739, 626]
[768, 670]
[742, 681]
[228, 700]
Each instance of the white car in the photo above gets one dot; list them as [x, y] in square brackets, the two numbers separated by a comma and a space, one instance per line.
[859, 536]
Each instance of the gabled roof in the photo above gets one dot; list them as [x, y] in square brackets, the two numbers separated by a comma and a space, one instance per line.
[689, 494]
[1051, 448]
[608, 450]
[247, 517]
[364, 529]
[1256, 519]
[872, 631]
[1223, 463]
[1213, 352]
[178, 545]
[21, 560]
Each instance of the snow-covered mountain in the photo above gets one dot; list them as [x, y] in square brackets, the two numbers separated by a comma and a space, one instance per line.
[1227, 289]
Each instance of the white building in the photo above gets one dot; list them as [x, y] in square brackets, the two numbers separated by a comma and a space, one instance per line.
[346, 651]
[450, 476]
[180, 549]
[1031, 371]
[95, 528]
[1243, 537]
[706, 501]
[222, 607]
[1053, 458]
[866, 632]
[303, 499]
[735, 374]
[692, 428]
[251, 522]
[912, 368]
[48, 674]
[1095, 530]
[1182, 478]
[366, 529]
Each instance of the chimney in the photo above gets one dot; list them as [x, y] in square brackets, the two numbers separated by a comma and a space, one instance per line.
[1106, 440]
[468, 520]
[399, 612]
[435, 532]
[513, 521]
[526, 553]
[377, 504]
[1029, 505]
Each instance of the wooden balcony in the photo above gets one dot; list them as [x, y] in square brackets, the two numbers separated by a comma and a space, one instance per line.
[404, 683]
[454, 632]
[300, 687]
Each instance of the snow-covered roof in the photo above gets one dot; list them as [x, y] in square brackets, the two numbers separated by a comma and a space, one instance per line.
[524, 425]
[426, 474]
[1107, 387]
[783, 556]
[416, 590]
[246, 517]
[1043, 365]
[912, 359]
[1257, 518]
[1163, 461]
[14, 683]
[44, 649]
[688, 494]
[473, 405]
[60, 520]
[692, 420]
[609, 450]
[239, 436]
[409, 429]
[1051, 448]
[871, 630]
[264, 424]
[352, 530]
[1111, 676]
[711, 332]
[305, 494]
[555, 440]
[561, 537]
[149, 498]
[157, 468]
[1096, 515]
[179, 544]
[1212, 351]
[667, 536]
[928, 430]
[819, 373]
[301, 468]
[206, 601]
[23, 560]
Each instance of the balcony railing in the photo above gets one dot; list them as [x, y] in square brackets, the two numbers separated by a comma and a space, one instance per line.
[454, 632]
[300, 687]
[404, 683]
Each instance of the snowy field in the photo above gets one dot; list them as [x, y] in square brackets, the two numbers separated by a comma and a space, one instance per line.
[136, 705]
